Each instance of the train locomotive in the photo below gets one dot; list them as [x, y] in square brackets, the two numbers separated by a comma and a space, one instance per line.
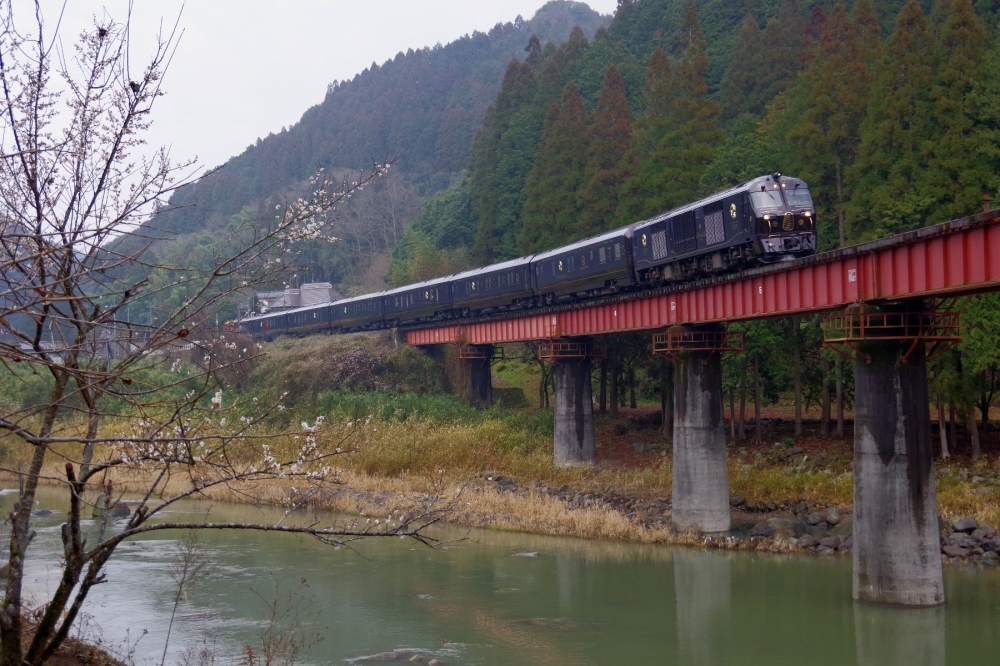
[765, 220]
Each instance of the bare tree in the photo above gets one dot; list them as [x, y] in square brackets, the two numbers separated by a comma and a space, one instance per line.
[78, 197]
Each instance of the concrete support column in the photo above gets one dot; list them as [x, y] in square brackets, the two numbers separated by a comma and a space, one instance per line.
[701, 478]
[479, 389]
[897, 554]
[573, 443]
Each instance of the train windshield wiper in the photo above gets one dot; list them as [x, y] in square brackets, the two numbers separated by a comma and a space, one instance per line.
[766, 199]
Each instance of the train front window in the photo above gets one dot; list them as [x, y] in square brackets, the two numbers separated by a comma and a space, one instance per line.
[798, 197]
[766, 200]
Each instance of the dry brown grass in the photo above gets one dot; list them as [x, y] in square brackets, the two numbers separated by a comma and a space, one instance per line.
[399, 464]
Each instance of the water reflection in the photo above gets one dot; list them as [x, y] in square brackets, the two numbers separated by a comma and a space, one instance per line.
[899, 636]
[482, 602]
[703, 587]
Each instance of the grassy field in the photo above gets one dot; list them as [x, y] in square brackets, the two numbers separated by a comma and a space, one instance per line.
[421, 440]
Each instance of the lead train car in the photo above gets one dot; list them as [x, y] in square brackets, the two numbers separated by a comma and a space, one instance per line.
[767, 219]
[764, 220]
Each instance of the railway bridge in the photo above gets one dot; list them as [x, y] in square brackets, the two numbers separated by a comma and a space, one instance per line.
[894, 299]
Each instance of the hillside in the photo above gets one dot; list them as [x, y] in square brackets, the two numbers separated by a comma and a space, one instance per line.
[421, 108]
[701, 95]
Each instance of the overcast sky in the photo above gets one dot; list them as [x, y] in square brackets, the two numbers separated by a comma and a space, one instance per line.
[245, 68]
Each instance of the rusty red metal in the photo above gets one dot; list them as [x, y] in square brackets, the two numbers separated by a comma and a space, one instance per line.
[675, 340]
[946, 260]
[845, 332]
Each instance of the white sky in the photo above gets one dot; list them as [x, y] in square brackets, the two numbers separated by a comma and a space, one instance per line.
[245, 68]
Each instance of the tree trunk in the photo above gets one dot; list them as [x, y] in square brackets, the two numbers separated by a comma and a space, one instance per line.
[824, 417]
[613, 381]
[972, 428]
[797, 375]
[840, 210]
[839, 363]
[667, 398]
[743, 402]
[758, 435]
[953, 432]
[631, 387]
[604, 386]
[732, 414]
[942, 429]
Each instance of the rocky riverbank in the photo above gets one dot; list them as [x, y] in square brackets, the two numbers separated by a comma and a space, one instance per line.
[500, 502]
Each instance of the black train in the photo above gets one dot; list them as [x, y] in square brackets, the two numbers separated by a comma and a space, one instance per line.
[765, 220]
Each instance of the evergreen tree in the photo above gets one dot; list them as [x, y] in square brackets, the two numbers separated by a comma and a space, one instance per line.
[956, 178]
[835, 87]
[488, 184]
[610, 136]
[817, 22]
[639, 170]
[985, 102]
[551, 212]
[896, 134]
[867, 30]
[740, 91]
[784, 42]
[690, 145]
[686, 138]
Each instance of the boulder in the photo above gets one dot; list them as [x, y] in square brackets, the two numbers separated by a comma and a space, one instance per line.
[830, 542]
[832, 516]
[737, 500]
[847, 543]
[120, 511]
[844, 529]
[990, 544]
[954, 551]
[991, 556]
[814, 518]
[807, 541]
[960, 539]
[779, 528]
[41, 513]
[965, 525]
[980, 533]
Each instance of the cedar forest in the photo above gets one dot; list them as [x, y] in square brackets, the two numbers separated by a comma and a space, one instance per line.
[890, 110]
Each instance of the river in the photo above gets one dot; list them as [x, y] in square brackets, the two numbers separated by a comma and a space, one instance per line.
[496, 598]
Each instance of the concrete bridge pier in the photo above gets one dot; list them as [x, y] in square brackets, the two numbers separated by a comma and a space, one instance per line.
[573, 443]
[701, 477]
[897, 556]
[478, 377]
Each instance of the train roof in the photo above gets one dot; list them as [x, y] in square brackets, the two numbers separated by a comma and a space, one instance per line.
[607, 235]
[736, 189]
[417, 285]
[504, 265]
[314, 306]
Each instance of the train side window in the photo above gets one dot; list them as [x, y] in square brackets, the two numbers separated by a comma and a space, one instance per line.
[618, 251]
[602, 255]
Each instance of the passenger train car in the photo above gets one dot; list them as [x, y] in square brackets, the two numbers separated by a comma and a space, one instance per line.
[765, 220]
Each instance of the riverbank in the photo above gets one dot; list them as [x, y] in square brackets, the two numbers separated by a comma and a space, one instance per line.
[495, 471]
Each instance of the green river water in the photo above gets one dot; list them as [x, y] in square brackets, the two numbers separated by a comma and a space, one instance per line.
[483, 601]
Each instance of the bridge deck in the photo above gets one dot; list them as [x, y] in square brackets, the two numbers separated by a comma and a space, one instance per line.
[952, 259]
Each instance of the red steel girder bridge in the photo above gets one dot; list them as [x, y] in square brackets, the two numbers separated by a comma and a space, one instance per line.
[885, 329]
[952, 259]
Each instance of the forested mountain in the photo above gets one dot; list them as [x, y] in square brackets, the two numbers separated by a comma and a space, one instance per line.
[421, 108]
[887, 108]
